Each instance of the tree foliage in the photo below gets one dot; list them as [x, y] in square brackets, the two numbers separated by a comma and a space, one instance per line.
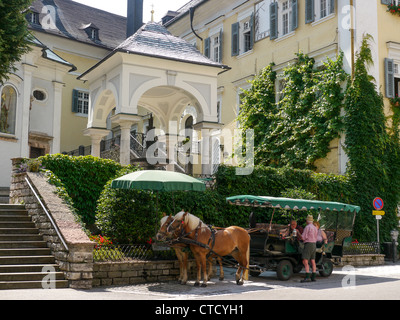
[14, 34]
[374, 155]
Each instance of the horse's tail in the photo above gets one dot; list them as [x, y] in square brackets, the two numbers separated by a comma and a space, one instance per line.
[246, 271]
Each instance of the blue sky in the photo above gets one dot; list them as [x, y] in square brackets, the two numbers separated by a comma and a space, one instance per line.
[119, 7]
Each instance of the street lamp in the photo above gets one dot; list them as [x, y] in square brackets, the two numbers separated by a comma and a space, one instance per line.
[395, 235]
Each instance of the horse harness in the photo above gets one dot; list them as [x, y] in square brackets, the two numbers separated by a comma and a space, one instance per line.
[183, 239]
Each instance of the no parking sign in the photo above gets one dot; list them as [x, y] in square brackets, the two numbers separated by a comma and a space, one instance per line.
[378, 204]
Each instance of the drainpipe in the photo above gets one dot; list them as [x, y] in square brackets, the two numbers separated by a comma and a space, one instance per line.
[191, 11]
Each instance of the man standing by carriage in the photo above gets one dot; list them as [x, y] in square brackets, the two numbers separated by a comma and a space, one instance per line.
[310, 245]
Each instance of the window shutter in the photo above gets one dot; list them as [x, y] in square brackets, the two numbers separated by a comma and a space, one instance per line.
[235, 39]
[75, 96]
[295, 16]
[389, 77]
[207, 47]
[387, 2]
[252, 31]
[310, 11]
[332, 6]
[273, 18]
[221, 33]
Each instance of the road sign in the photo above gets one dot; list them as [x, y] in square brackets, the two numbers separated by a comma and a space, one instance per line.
[378, 213]
[378, 204]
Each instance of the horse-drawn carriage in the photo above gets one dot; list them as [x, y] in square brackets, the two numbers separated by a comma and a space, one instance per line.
[276, 247]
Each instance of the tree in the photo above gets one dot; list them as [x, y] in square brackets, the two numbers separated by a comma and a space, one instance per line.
[14, 34]
[374, 156]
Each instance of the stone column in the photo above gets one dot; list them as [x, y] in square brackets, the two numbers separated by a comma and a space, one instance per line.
[125, 121]
[58, 88]
[96, 135]
[206, 129]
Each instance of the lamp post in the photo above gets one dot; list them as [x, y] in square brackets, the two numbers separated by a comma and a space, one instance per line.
[394, 235]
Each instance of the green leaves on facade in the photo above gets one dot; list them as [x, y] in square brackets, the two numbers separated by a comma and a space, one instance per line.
[295, 124]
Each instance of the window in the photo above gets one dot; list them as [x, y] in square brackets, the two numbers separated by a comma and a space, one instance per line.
[94, 34]
[8, 109]
[319, 9]
[243, 36]
[39, 95]
[283, 18]
[36, 152]
[33, 18]
[213, 47]
[80, 103]
[261, 20]
[397, 80]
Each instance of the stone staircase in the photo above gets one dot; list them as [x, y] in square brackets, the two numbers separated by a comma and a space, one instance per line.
[25, 259]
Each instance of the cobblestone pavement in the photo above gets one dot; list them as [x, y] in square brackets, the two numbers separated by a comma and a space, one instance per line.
[347, 277]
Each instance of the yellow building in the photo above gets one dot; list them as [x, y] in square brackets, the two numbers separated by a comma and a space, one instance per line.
[249, 35]
[83, 36]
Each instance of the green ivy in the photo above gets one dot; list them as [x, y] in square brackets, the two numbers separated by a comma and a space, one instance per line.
[296, 130]
[84, 179]
[373, 150]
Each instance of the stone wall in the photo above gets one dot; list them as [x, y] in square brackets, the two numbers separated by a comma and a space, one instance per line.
[363, 260]
[76, 261]
[130, 273]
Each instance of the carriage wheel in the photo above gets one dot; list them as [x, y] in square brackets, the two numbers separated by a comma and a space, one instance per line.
[284, 270]
[327, 268]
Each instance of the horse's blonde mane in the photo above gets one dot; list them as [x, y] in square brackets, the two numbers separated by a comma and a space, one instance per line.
[163, 220]
[192, 221]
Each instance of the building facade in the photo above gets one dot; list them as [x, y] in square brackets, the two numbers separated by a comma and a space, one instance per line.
[249, 35]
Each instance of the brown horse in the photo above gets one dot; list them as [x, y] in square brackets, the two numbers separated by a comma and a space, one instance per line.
[179, 248]
[181, 253]
[233, 241]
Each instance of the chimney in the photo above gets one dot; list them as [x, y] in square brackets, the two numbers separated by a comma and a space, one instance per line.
[135, 17]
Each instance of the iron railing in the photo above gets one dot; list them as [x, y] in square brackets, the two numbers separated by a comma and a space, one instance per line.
[126, 253]
[361, 248]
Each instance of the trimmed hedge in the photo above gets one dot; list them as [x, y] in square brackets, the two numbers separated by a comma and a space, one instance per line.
[84, 179]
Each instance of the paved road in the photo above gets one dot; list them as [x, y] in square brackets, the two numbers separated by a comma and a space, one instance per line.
[354, 284]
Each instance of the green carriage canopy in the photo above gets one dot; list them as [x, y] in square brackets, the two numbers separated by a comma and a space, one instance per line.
[290, 204]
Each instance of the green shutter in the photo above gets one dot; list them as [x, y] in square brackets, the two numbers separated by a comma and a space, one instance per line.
[273, 13]
[295, 16]
[252, 31]
[235, 39]
[389, 77]
[75, 96]
[332, 7]
[207, 47]
[221, 36]
[310, 11]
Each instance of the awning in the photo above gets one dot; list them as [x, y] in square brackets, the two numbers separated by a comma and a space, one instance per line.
[290, 204]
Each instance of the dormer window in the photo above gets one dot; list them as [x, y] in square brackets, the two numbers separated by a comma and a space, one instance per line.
[94, 34]
[92, 31]
[33, 18]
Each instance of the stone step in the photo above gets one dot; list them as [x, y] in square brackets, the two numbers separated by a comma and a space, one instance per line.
[21, 237]
[18, 252]
[16, 224]
[30, 276]
[15, 218]
[14, 268]
[4, 231]
[11, 260]
[4, 208]
[22, 244]
[13, 285]
[24, 254]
